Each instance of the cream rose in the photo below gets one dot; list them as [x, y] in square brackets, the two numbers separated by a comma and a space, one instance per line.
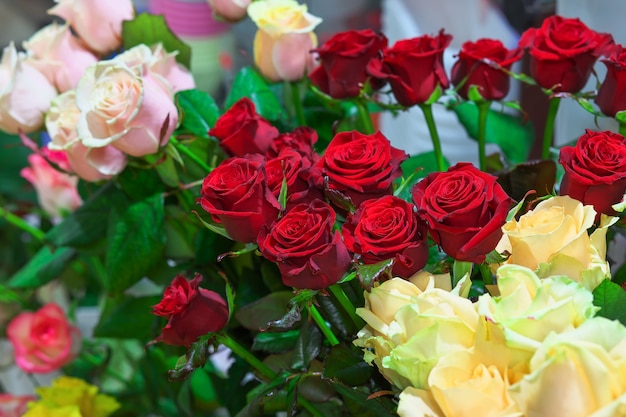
[284, 40]
[576, 373]
[55, 52]
[25, 93]
[121, 108]
[97, 23]
[90, 164]
[552, 239]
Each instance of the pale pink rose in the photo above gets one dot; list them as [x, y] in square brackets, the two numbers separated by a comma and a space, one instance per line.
[25, 93]
[229, 10]
[14, 405]
[121, 108]
[56, 191]
[155, 62]
[90, 164]
[43, 341]
[59, 55]
[98, 23]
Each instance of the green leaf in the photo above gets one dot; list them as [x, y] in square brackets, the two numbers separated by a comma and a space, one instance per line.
[611, 298]
[139, 183]
[199, 112]
[368, 274]
[128, 318]
[259, 314]
[45, 266]
[347, 365]
[539, 176]
[357, 403]
[151, 29]
[413, 169]
[308, 346]
[135, 242]
[514, 137]
[276, 342]
[249, 83]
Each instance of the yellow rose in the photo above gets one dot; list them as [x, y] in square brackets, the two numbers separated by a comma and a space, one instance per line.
[284, 40]
[577, 373]
[552, 239]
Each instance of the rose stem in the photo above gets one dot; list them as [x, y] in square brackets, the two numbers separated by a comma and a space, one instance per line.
[485, 273]
[622, 129]
[483, 112]
[293, 86]
[549, 129]
[364, 116]
[427, 109]
[346, 304]
[184, 150]
[22, 224]
[261, 367]
[319, 320]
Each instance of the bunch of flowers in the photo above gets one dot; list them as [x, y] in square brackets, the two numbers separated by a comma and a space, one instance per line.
[292, 257]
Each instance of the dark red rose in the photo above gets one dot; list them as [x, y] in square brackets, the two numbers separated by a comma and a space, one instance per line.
[241, 130]
[464, 209]
[563, 51]
[388, 228]
[360, 166]
[414, 68]
[344, 58]
[595, 170]
[290, 166]
[471, 69]
[191, 311]
[236, 195]
[611, 97]
[309, 253]
[301, 139]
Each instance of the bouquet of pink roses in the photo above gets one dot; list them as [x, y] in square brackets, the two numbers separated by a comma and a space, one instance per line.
[276, 252]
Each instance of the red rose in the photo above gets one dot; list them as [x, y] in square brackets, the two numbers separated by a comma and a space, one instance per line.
[464, 209]
[471, 68]
[301, 139]
[289, 166]
[344, 59]
[414, 68]
[191, 311]
[241, 130]
[388, 228]
[563, 51]
[595, 170]
[309, 253]
[236, 195]
[360, 166]
[611, 96]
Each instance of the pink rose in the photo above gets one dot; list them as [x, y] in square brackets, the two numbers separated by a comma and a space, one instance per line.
[98, 23]
[59, 55]
[56, 191]
[230, 10]
[121, 108]
[43, 341]
[25, 93]
[14, 405]
[90, 164]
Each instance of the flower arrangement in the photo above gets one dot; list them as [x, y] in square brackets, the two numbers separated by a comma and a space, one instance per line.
[276, 252]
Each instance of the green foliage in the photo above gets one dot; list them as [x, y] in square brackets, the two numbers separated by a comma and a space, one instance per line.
[128, 318]
[45, 266]
[249, 83]
[198, 112]
[611, 298]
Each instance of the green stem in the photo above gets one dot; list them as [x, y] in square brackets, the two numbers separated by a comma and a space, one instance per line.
[549, 129]
[184, 150]
[483, 112]
[346, 304]
[243, 353]
[323, 326]
[297, 102]
[364, 116]
[622, 129]
[427, 109]
[485, 273]
[22, 224]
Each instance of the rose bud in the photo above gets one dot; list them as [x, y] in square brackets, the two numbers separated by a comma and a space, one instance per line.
[301, 139]
[464, 208]
[230, 10]
[470, 70]
[241, 130]
[563, 51]
[309, 253]
[191, 311]
[414, 68]
[284, 39]
[611, 97]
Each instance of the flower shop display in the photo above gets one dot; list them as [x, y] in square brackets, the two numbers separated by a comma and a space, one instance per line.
[273, 252]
